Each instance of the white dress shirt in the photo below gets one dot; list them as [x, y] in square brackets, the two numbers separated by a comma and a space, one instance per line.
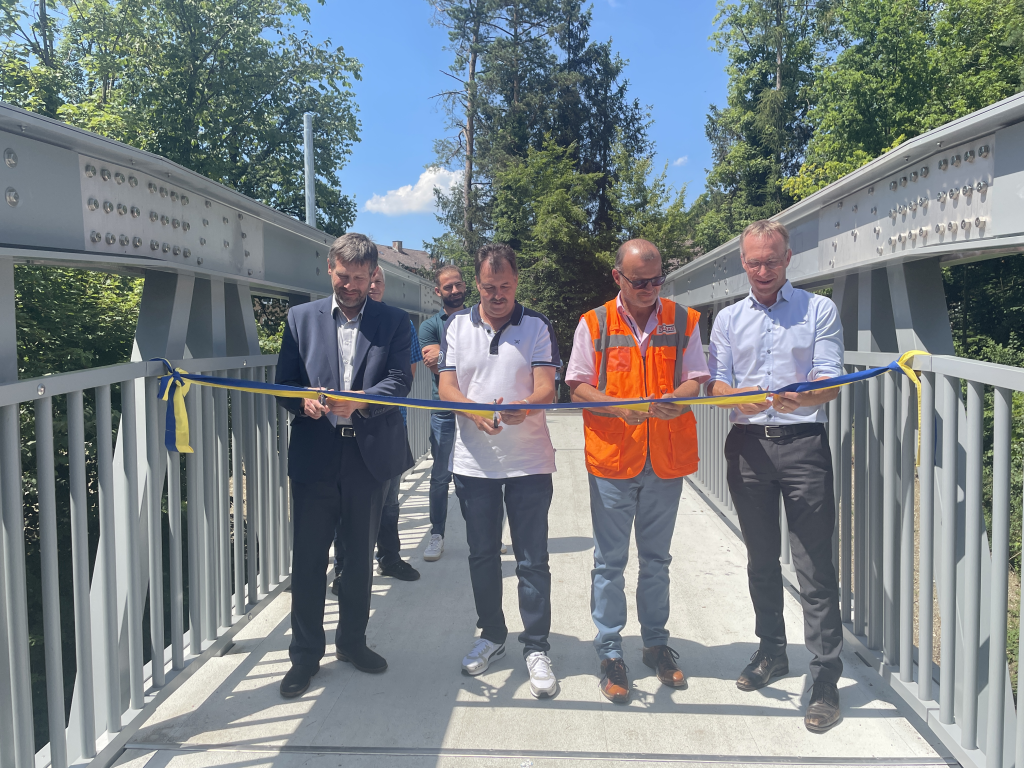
[582, 367]
[347, 332]
[799, 338]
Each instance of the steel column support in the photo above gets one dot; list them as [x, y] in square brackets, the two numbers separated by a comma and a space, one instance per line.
[947, 593]
[973, 524]
[130, 452]
[108, 567]
[1002, 413]
[890, 523]
[926, 569]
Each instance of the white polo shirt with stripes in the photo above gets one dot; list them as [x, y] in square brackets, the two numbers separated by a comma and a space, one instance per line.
[491, 364]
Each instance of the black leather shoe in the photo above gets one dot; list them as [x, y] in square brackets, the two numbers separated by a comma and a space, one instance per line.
[761, 670]
[335, 584]
[400, 570]
[823, 708]
[296, 680]
[362, 659]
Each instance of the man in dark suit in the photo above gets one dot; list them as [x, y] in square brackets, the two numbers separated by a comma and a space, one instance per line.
[341, 453]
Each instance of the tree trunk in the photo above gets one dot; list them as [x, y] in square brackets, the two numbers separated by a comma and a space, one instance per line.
[45, 34]
[467, 182]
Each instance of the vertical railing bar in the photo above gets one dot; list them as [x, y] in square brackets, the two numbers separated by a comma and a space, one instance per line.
[193, 484]
[237, 517]
[7, 725]
[972, 563]
[261, 486]
[208, 524]
[908, 447]
[860, 555]
[154, 495]
[1002, 414]
[84, 682]
[223, 506]
[833, 444]
[875, 518]
[282, 459]
[947, 595]
[249, 454]
[47, 497]
[272, 511]
[846, 516]
[105, 477]
[926, 568]
[130, 455]
[174, 545]
[889, 521]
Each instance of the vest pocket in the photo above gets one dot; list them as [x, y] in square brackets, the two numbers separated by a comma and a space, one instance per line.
[604, 448]
[619, 359]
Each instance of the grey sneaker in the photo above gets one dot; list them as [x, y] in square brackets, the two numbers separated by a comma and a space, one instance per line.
[481, 655]
[542, 680]
[435, 548]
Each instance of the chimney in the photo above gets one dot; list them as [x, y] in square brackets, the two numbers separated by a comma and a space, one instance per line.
[397, 245]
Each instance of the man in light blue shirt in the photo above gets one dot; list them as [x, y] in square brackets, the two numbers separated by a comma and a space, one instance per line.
[779, 335]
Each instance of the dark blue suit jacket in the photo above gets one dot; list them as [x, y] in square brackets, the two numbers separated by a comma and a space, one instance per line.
[309, 354]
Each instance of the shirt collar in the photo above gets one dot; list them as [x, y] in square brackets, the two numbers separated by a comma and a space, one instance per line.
[625, 313]
[517, 315]
[785, 294]
[336, 307]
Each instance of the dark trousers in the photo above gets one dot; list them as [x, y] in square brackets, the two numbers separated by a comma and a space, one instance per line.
[442, 438]
[800, 468]
[350, 500]
[527, 500]
[389, 543]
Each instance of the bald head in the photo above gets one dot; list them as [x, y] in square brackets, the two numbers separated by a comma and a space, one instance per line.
[637, 251]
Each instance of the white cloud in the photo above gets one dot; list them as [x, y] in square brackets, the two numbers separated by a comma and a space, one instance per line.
[681, 160]
[414, 198]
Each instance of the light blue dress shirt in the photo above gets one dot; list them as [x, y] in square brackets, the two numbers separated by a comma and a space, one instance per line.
[799, 338]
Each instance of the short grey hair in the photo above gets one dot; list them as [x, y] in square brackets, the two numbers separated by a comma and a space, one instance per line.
[355, 249]
[648, 251]
[383, 276]
[763, 229]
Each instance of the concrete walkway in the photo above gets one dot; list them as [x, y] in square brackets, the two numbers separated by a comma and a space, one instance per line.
[424, 712]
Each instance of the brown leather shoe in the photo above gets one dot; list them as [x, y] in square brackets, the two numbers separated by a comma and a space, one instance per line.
[662, 660]
[823, 708]
[614, 683]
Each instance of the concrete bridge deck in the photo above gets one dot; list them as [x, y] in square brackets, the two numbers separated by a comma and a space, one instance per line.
[424, 712]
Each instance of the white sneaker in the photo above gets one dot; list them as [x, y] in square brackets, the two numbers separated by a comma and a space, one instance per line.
[435, 547]
[542, 679]
[480, 656]
[504, 548]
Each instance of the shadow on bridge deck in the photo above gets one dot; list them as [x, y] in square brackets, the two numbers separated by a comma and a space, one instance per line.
[424, 712]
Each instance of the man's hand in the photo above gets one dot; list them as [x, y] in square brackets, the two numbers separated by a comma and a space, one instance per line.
[345, 408]
[721, 389]
[432, 356]
[313, 408]
[787, 402]
[630, 416]
[483, 423]
[667, 410]
[514, 417]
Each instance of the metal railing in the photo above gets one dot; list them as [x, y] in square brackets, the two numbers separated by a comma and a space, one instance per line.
[905, 527]
[221, 517]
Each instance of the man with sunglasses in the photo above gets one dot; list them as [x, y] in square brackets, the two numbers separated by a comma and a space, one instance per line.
[775, 336]
[636, 347]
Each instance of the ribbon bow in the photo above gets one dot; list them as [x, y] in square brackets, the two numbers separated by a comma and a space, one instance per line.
[175, 387]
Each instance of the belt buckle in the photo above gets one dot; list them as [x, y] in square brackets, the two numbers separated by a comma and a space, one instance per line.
[347, 431]
[767, 431]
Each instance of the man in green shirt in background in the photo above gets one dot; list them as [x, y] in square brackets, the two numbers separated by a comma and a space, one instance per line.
[449, 285]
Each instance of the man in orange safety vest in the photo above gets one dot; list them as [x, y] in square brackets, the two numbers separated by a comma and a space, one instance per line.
[637, 346]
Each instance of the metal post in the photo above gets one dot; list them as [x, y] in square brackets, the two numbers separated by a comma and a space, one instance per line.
[889, 522]
[237, 515]
[833, 444]
[220, 397]
[860, 555]
[7, 726]
[926, 569]
[947, 594]
[208, 525]
[1002, 413]
[249, 454]
[875, 519]
[282, 472]
[130, 454]
[154, 495]
[50, 582]
[308, 150]
[80, 569]
[174, 545]
[194, 484]
[105, 477]
[272, 510]
[973, 525]
[846, 513]
[908, 448]
[260, 465]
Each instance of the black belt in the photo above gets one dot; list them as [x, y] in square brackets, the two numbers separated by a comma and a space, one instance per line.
[779, 431]
[346, 430]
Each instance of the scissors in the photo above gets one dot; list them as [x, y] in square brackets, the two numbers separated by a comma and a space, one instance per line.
[494, 420]
[322, 398]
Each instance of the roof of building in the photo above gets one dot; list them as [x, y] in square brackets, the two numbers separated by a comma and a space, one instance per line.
[409, 258]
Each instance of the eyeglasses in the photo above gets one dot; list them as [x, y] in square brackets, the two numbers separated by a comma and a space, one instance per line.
[641, 284]
[771, 265]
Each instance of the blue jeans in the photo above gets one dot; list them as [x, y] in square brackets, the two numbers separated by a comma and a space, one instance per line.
[442, 438]
[649, 504]
[527, 500]
[389, 544]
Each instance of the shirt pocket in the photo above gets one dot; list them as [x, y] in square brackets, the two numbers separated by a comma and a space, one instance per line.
[619, 359]
[666, 369]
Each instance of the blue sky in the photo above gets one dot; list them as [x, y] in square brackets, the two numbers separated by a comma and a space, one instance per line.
[671, 68]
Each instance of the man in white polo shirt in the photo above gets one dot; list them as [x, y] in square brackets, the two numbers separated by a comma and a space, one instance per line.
[498, 351]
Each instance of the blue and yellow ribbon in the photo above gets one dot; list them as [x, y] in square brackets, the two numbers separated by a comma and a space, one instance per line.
[174, 386]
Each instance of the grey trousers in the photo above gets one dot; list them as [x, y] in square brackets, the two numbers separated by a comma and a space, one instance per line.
[800, 468]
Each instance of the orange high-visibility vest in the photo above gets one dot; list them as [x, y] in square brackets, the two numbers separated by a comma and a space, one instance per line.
[615, 449]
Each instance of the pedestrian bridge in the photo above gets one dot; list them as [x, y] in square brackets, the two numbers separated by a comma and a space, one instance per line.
[424, 712]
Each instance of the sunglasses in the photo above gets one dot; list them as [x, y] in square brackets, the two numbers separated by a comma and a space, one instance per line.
[641, 284]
